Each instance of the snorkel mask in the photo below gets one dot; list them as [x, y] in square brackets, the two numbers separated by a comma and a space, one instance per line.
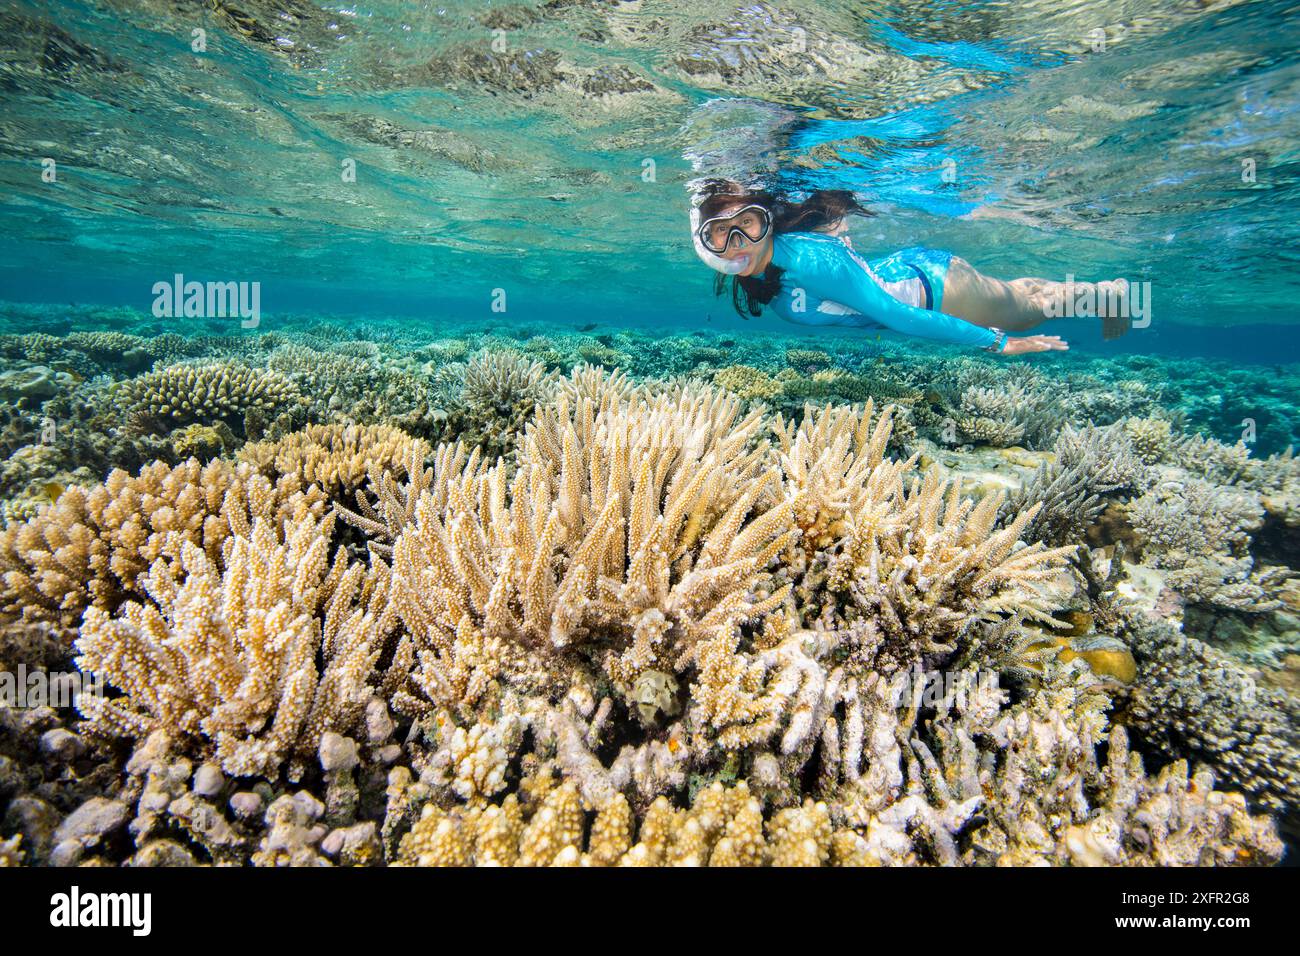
[707, 248]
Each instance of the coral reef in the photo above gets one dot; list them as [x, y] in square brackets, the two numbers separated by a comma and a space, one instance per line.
[368, 598]
[231, 656]
[91, 545]
[243, 397]
[1194, 701]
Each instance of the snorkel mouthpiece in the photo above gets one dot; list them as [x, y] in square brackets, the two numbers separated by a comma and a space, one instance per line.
[732, 267]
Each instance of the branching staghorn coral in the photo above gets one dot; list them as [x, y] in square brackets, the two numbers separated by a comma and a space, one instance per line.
[833, 463]
[926, 570]
[1152, 438]
[503, 380]
[600, 385]
[929, 564]
[393, 507]
[1212, 459]
[897, 575]
[1089, 466]
[648, 539]
[1201, 533]
[90, 546]
[919, 561]
[206, 393]
[488, 399]
[231, 658]
[338, 458]
[993, 416]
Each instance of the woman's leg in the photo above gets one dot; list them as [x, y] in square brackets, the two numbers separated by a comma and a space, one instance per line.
[1021, 304]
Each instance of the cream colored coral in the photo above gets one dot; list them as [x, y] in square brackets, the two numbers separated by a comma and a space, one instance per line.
[498, 831]
[801, 837]
[11, 851]
[833, 465]
[338, 458]
[478, 758]
[92, 544]
[393, 507]
[657, 523]
[1151, 437]
[555, 827]
[231, 659]
[747, 382]
[931, 563]
[611, 832]
[438, 838]
[498, 380]
[206, 392]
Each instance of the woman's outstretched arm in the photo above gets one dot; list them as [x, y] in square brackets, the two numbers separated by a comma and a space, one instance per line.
[830, 270]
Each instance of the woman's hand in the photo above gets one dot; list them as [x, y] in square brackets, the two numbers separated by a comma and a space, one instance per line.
[1034, 343]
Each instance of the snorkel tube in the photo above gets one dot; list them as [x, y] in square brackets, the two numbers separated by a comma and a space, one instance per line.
[714, 261]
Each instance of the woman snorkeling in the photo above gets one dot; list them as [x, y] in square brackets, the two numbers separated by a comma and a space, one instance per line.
[787, 255]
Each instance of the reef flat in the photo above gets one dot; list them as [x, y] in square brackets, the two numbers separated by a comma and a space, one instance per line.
[366, 593]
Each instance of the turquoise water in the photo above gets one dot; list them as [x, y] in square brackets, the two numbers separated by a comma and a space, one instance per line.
[523, 166]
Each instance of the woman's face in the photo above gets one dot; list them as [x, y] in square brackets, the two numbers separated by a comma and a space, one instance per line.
[755, 255]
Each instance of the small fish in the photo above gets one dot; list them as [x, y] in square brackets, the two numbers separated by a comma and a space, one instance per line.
[53, 490]
[588, 327]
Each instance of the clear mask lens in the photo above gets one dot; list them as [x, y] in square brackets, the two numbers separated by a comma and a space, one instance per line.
[749, 225]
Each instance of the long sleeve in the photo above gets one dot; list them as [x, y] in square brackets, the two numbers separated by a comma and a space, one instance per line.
[831, 271]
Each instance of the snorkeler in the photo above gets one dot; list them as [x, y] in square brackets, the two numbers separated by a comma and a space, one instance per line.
[787, 255]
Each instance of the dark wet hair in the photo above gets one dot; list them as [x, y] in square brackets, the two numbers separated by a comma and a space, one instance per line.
[822, 208]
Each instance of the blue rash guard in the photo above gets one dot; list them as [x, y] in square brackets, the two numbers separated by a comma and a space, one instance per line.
[839, 287]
